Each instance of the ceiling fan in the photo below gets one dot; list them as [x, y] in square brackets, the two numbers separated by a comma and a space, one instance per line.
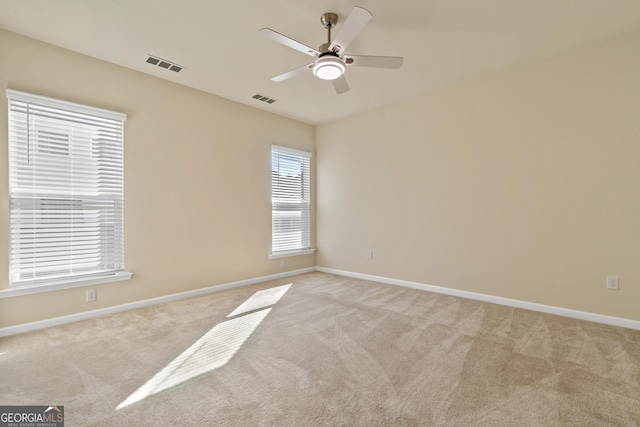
[331, 62]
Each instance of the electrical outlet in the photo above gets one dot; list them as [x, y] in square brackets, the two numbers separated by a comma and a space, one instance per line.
[91, 295]
[612, 282]
[283, 263]
[369, 254]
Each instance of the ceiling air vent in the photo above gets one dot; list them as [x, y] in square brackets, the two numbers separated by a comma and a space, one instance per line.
[163, 63]
[263, 98]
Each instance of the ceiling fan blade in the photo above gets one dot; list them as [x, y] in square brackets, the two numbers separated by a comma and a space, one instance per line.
[292, 73]
[355, 22]
[289, 42]
[393, 62]
[340, 85]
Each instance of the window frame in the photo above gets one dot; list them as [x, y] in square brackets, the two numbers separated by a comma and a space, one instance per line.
[303, 204]
[39, 197]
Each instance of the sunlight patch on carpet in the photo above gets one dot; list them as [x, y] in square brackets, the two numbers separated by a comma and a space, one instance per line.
[215, 348]
[261, 299]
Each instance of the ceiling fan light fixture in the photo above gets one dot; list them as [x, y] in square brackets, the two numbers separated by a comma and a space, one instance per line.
[328, 67]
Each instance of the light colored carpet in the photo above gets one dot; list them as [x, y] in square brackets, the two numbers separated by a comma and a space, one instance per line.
[328, 350]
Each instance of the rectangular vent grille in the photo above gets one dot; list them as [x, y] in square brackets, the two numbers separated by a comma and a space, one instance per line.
[263, 98]
[163, 63]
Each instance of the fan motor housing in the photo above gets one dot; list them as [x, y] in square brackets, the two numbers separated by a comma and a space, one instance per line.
[326, 52]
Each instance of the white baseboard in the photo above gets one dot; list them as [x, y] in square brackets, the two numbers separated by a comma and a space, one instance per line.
[28, 327]
[565, 312]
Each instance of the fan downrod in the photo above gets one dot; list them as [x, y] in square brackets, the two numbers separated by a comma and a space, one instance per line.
[329, 20]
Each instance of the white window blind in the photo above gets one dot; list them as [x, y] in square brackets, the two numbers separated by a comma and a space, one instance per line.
[66, 183]
[290, 200]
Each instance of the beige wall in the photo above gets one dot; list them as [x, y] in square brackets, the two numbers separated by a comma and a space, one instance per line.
[524, 185]
[197, 179]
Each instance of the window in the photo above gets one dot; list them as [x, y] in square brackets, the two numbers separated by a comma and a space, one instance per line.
[290, 202]
[66, 185]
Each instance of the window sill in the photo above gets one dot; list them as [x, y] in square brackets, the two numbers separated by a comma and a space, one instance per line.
[285, 254]
[18, 290]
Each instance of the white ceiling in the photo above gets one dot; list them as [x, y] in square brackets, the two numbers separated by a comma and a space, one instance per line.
[443, 42]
